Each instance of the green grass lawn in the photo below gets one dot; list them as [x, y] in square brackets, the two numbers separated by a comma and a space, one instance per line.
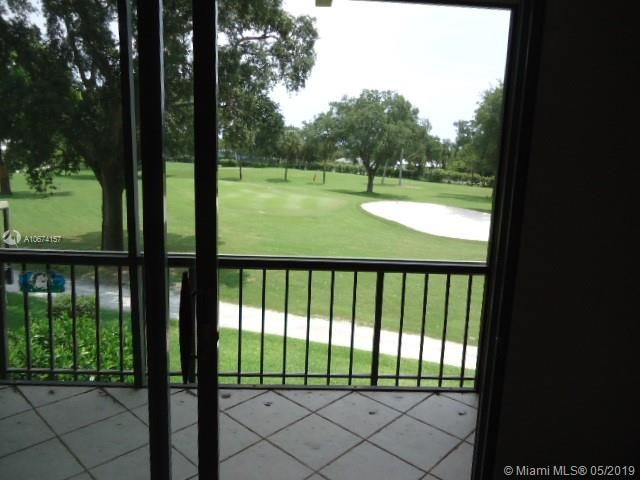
[228, 360]
[264, 215]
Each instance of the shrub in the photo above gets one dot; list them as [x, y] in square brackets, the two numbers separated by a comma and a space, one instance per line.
[86, 349]
[439, 175]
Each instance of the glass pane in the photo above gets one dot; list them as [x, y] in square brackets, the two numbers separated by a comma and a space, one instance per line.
[62, 166]
[179, 138]
[357, 144]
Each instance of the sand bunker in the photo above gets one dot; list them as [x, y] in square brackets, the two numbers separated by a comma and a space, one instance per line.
[440, 220]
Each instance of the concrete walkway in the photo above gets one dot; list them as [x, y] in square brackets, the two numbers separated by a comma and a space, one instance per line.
[297, 328]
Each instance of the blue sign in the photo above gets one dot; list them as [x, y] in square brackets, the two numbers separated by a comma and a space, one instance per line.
[42, 282]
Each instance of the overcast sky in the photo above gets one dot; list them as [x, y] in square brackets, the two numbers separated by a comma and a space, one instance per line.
[440, 58]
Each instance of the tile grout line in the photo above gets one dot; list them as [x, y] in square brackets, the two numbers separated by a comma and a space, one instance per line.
[266, 439]
[303, 406]
[363, 439]
[439, 428]
[15, 390]
[434, 466]
[94, 422]
[394, 408]
[89, 389]
[128, 409]
[310, 411]
[446, 394]
[367, 439]
[58, 437]
[261, 437]
[245, 400]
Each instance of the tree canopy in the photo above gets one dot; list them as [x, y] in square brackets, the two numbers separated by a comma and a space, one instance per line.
[260, 46]
[477, 146]
[373, 128]
[32, 90]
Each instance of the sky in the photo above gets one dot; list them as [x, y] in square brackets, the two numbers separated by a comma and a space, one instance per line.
[440, 58]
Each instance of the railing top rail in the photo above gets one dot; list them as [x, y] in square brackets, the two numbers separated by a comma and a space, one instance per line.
[63, 257]
[351, 264]
[76, 257]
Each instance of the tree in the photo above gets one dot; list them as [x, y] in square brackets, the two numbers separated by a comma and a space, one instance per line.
[261, 46]
[478, 140]
[32, 90]
[373, 128]
[487, 129]
[269, 128]
[290, 147]
[319, 141]
[447, 149]
[421, 146]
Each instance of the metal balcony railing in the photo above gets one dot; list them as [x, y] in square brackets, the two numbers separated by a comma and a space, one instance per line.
[283, 321]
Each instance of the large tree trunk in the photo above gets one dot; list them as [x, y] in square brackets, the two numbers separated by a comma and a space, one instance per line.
[239, 164]
[5, 177]
[370, 176]
[112, 184]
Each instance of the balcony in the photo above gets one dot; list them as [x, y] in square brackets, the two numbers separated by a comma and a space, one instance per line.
[329, 368]
[71, 432]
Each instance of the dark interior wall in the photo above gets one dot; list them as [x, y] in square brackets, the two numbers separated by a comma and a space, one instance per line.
[572, 379]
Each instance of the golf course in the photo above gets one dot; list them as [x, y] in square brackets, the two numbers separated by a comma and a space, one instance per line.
[264, 215]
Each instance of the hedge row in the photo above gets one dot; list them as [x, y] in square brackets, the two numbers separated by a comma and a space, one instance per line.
[439, 175]
[436, 175]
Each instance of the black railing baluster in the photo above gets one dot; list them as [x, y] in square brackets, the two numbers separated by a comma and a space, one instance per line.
[120, 325]
[444, 328]
[74, 324]
[377, 327]
[96, 285]
[286, 325]
[425, 299]
[240, 287]
[27, 327]
[4, 330]
[353, 324]
[402, 301]
[306, 345]
[52, 340]
[187, 327]
[465, 338]
[264, 297]
[331, 297]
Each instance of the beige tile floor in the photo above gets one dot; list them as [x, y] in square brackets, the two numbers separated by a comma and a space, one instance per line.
[79, 433]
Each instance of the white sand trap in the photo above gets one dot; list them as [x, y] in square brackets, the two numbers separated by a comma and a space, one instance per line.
[440, 220]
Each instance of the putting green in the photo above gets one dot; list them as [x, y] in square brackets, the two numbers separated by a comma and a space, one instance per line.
[278, 201]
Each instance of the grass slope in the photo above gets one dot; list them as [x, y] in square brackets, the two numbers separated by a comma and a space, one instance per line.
[264, 215]
[228, 359]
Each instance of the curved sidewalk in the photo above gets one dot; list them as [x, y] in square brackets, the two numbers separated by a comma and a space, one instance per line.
[341, 335]
[297, 328]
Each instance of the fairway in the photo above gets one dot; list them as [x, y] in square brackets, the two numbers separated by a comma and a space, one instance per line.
[264, 215]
